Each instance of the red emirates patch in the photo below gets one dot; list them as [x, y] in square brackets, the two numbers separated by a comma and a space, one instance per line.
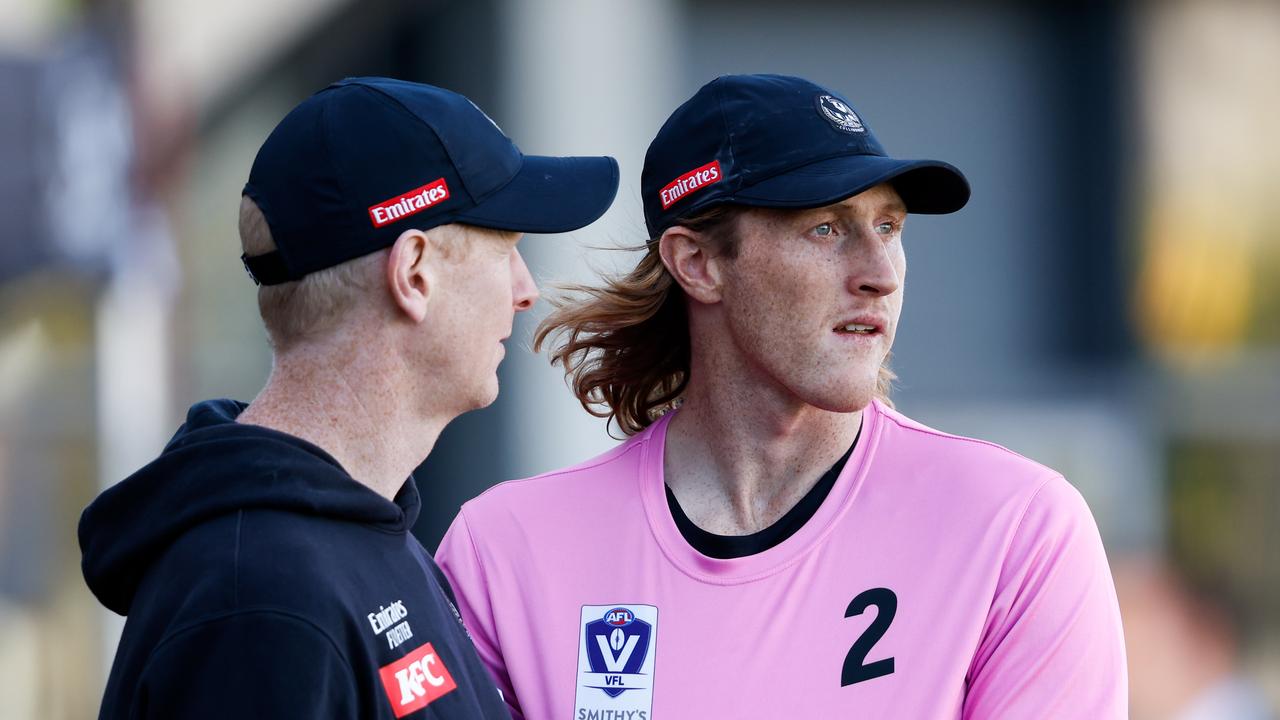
[416, 680]
[691, 181]
[414, 201]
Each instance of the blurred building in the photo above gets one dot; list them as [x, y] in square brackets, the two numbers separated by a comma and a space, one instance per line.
[1108, 303]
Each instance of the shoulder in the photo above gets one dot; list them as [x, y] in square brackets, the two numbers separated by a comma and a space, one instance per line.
[261, 558]
[1033, 509]
[221, 579]
[998, 489]
[910, 446]
[558, 509]
[310, 564]
[599, 478]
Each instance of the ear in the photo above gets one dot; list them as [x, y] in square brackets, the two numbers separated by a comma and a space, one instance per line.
[410, 277]
[689, 261]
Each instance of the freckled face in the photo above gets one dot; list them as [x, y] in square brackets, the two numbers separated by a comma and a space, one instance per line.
[813, 297]
[475, 304]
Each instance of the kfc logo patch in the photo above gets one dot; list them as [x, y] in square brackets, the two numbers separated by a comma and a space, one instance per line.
[691, 181]
[416, 680]
[410, 203]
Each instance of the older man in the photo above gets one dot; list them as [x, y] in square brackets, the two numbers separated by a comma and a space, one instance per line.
[264, 560]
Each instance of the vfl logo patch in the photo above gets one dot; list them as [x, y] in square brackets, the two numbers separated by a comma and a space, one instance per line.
[839, 114]
[695, 179]
[416, 680]
[410, 203]
[616, 654]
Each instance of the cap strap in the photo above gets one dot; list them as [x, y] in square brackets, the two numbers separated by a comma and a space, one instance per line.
[267, 269]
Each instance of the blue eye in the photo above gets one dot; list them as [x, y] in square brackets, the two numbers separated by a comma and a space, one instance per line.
[824, 230]
[886, 228]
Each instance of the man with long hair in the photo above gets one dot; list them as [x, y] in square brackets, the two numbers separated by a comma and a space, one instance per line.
[265, 560]
[773, 539]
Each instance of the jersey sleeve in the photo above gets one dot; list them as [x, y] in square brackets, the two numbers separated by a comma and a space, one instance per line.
[1052, 645]
[458, 558]
[258, 664]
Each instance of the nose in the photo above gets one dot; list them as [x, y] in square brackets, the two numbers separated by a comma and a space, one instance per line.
[524, 292]
[872, 267]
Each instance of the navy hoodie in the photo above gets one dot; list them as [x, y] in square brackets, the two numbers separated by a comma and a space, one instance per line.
[261, 581]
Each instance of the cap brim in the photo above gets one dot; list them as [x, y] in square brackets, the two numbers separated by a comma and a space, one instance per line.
[549, 195]
[926, 186]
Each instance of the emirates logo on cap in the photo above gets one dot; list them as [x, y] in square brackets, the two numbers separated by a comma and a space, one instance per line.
[410, 203]
[839, 114]
[692, 181]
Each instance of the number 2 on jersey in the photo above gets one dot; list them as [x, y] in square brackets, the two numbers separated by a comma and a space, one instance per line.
[856, 669]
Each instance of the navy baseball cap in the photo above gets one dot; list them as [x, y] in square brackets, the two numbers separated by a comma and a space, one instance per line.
[781, 142]
[358, 163]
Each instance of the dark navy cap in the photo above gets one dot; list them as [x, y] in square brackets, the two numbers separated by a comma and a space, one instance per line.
[358, 163]
[778, 141]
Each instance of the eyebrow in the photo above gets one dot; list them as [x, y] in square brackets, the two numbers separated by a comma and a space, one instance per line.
[896, 205]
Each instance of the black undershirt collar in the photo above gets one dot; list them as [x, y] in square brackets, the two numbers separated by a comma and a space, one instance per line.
[735, 546]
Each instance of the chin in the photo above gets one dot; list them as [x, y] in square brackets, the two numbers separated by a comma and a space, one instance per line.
[844, 395]
[481, 396]
[489, 395]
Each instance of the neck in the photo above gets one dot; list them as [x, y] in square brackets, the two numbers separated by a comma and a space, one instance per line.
[741, 453]
[355, 409]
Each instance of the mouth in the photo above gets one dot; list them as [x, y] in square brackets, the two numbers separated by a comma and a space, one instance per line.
[862, 326]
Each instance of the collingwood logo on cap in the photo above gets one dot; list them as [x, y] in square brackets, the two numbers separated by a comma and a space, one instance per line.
[839, 114]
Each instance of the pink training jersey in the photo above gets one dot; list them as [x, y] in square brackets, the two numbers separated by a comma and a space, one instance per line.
[942, 577]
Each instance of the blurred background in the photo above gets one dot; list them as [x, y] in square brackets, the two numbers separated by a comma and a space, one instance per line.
[1108, 303]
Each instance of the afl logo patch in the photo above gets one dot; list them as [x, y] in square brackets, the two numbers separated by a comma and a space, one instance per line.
[617, 647]
[839, 114]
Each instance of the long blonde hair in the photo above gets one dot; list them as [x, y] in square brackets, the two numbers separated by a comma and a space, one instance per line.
[624, 345]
